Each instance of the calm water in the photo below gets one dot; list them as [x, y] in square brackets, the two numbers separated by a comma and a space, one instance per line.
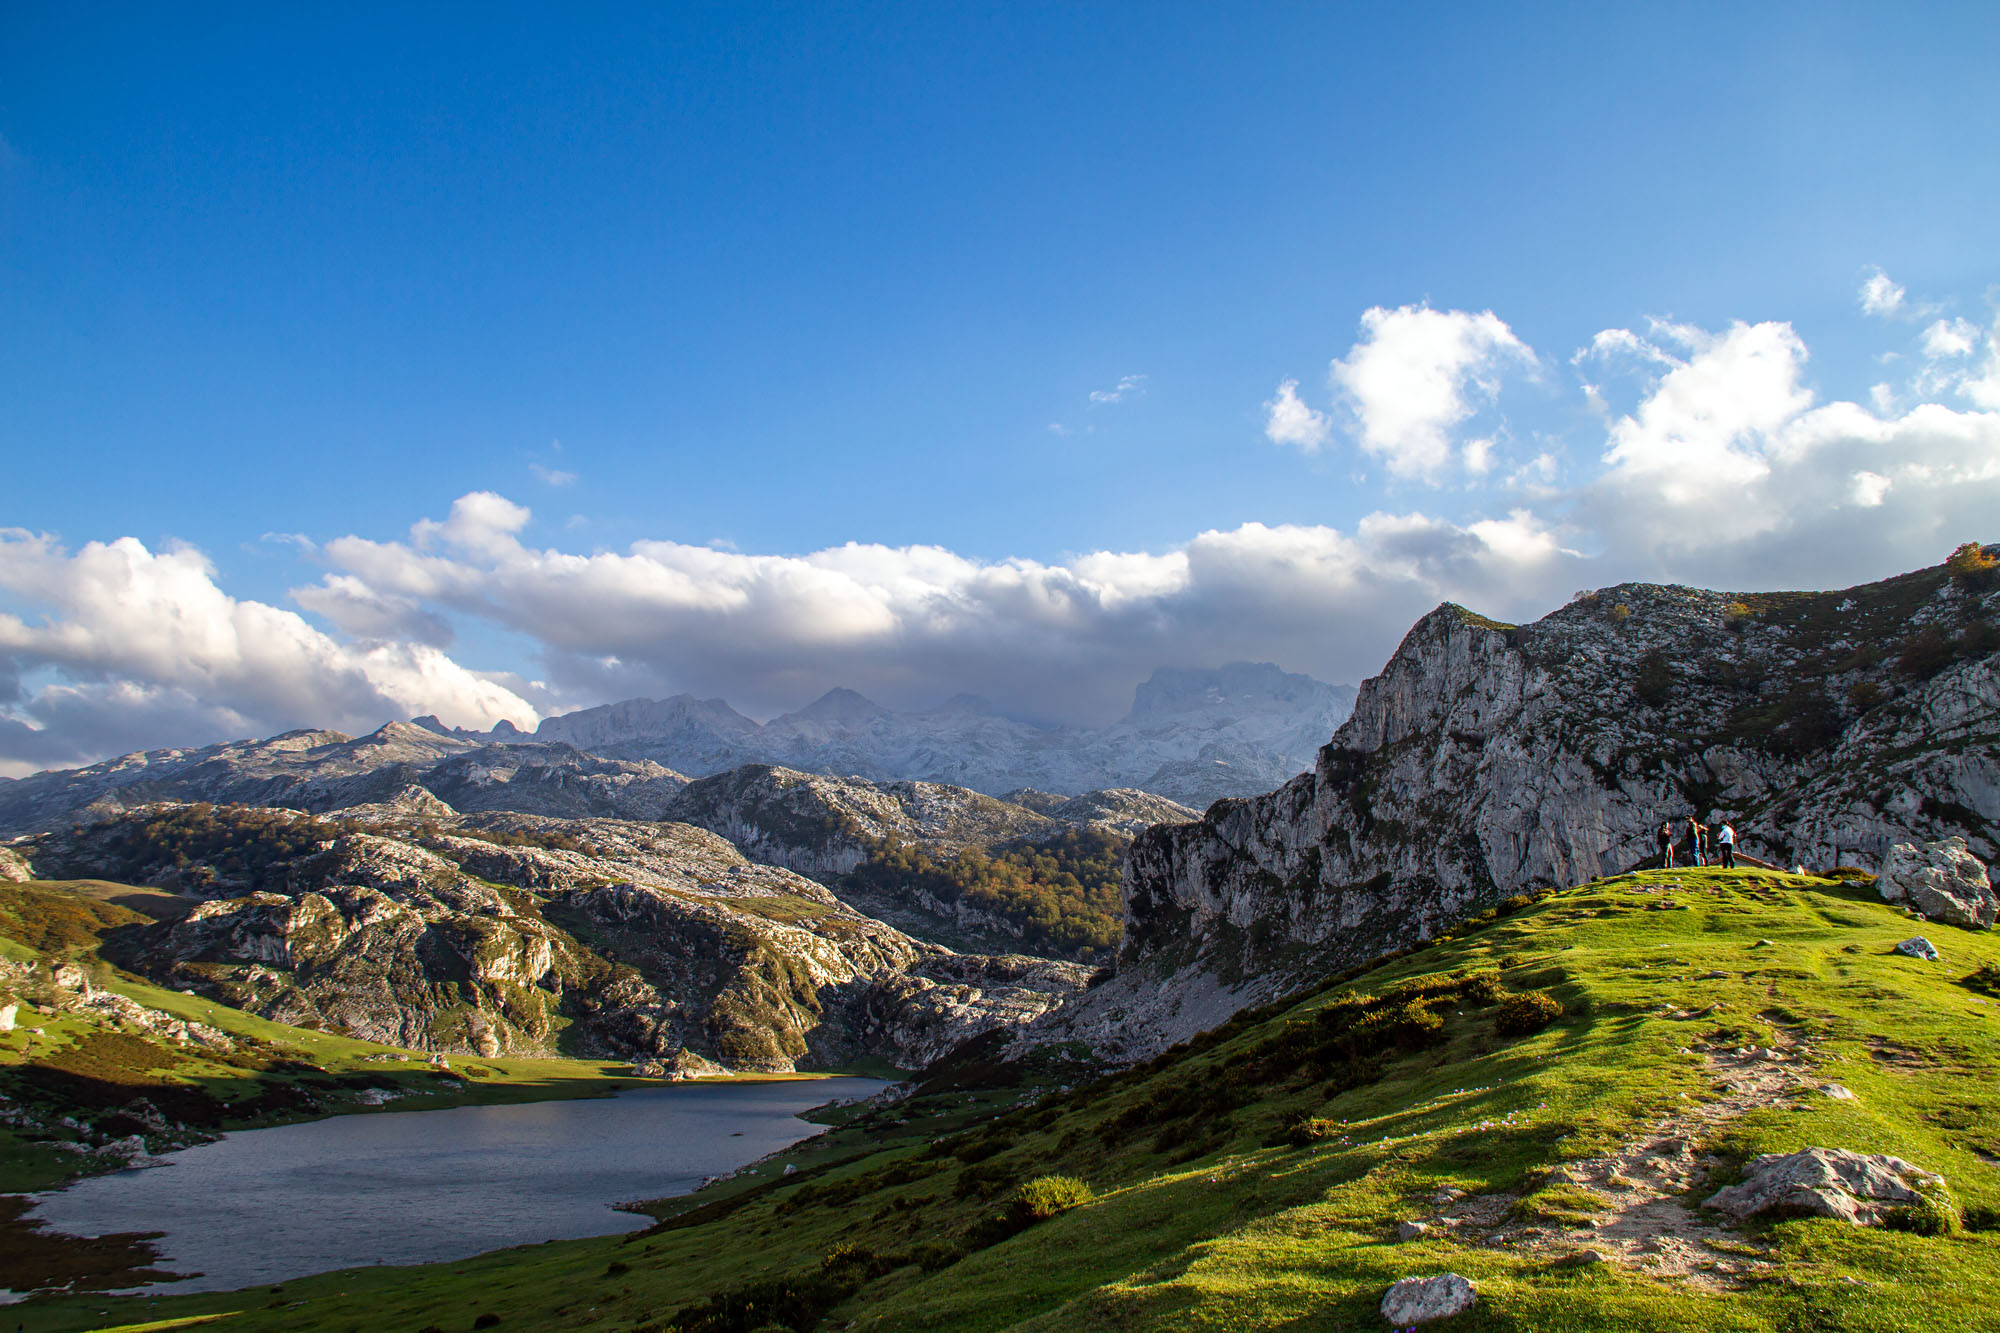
[265, 1205]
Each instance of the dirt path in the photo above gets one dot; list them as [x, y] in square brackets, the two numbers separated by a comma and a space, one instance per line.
[1645, 1222]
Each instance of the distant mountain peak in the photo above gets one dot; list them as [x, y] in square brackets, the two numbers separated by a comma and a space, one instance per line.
[838, 704]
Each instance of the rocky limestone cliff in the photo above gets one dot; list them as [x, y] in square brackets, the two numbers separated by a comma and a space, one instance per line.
[1488, 759]
[507, 933]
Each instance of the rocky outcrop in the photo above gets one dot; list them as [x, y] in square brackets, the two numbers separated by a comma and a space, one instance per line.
[1827, 1182]
[14, 868]
[494, 934]
[415, 769]
[1942, 880]
[1491, 759]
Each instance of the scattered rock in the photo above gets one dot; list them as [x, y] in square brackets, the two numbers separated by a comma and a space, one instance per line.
[1838, 1093]
[1919, 947]
[7, 1013]
[68, 976]
[1823, 1182]
[1447, 1195]
[1419, 1300]
[1943, 880]
[14, 868]
[1412, 1231]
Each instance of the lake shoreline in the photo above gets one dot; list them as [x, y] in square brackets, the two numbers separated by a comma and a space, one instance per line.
[49, 1257]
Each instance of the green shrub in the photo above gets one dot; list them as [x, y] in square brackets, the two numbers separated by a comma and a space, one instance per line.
[1970, 561]
[1415, 1026]
[1306, 1130]
[1483, 988]
[1985, 979]
[1043, 1197]
[1522, 1014]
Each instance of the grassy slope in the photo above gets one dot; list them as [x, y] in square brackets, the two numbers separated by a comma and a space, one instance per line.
[1206, 1218]
[51, 921]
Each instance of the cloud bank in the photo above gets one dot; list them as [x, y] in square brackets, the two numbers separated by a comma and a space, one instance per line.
[1721, 466]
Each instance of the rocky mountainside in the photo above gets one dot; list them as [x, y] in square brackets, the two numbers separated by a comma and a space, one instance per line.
[1193, 736]
[325, 770]
[1491, 759]
[511, 933]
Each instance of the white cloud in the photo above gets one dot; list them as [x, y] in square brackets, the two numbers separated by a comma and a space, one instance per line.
[1870, 488]
[1948, 338]
[1128, 386]
[142, 634]
[1881, 296]
[552, 476]
[1723, 469]
[1417, 373]
[1287, 420]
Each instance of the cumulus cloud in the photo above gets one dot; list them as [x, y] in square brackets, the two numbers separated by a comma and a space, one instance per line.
[1720, 466]
[142, 642]
[1950, 338]
[1416, 373]
[1880, 295]
[1287, 420]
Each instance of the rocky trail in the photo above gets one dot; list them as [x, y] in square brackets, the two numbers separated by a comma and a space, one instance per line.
[1648, 1221]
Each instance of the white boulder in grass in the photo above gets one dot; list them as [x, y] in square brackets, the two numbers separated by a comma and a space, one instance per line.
[1943, 880]
[1418, 1300]
[1855, 1187]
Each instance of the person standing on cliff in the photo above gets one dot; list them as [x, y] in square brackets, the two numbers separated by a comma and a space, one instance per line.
[1725, 846]
[1695, 830]
[1664, 839]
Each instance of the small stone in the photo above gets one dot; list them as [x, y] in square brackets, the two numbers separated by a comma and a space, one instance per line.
[1412, 1231]
[1838, 1093]
[1761, 944]
[1919, 947]
[1419, 1300]
[1445, 1196]
[1714, 976]
[1594, 1257]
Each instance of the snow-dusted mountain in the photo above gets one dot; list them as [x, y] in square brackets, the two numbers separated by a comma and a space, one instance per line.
[1193, 735]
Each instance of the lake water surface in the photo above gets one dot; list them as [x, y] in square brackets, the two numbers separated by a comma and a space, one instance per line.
[264, 1205]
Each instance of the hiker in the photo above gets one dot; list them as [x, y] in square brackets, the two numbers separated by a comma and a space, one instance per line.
[1664, 839]
[1695, 830]
[1725, 846]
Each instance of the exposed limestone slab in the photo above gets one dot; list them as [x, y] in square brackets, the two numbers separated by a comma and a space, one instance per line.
[1419, 1300]
[1859, 1188]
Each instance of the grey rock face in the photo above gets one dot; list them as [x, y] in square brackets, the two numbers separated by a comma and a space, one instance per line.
[1487, 759]
[497, 933]
[1824, 1182]
[1419, 1300]
[14, 869]
[1942, 880]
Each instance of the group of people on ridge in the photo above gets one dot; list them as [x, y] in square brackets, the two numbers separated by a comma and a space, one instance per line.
[1701, 847]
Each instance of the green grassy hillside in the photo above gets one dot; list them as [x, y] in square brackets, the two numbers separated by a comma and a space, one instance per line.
[1258, 1177]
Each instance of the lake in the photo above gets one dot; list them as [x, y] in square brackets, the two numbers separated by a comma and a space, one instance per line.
[265, 1205]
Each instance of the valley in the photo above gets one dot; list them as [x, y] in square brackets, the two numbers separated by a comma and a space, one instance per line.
[1429, 1004]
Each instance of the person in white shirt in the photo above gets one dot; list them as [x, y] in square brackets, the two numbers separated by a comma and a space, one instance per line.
[1725, 846]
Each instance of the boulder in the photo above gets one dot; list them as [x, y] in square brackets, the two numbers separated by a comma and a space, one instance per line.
[1412, 1231]
[1943, 880]
[1824, 1182]
[1919, 947]
[1418, 1300]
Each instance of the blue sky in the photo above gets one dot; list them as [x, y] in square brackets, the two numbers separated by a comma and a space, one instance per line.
[1004, 296]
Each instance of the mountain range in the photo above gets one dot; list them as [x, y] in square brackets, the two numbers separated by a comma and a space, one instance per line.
[1192, 735]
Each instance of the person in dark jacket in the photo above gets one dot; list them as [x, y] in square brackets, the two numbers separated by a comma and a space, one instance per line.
[1664, 840]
